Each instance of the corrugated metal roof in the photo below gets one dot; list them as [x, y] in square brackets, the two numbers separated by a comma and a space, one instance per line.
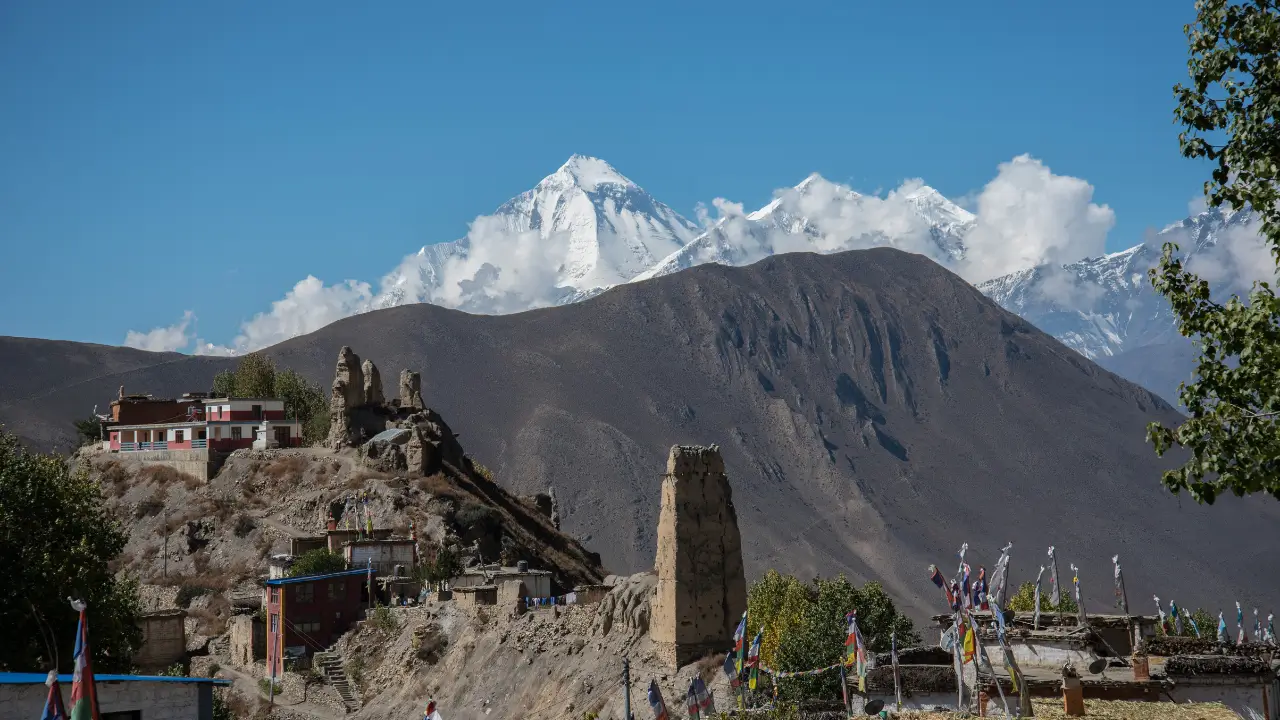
[310, 578]
[16, 678]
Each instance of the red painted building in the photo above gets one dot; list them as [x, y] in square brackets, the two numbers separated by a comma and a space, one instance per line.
[196, 423]
[309, 613]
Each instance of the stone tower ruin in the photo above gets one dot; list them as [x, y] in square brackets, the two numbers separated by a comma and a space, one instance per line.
[701, 591]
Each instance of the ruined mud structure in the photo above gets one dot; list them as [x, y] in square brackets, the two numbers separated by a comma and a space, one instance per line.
[701, 591]
[402, 435]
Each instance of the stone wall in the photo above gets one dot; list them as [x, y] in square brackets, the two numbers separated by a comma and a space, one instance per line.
[157, 700]
[200, 464]
[701, 591]
[248, 640]
[164, 640]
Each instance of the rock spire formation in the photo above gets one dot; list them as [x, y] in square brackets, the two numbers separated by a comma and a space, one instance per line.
[702, 589]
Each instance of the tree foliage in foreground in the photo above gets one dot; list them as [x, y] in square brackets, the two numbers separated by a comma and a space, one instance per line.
[1229, 112]
[317, 562]
[56, 540]
[804, 627]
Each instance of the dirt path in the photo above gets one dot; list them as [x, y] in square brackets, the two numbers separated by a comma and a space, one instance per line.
[248, 686]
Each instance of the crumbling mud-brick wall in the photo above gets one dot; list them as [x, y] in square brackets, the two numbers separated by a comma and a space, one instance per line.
[701, 591]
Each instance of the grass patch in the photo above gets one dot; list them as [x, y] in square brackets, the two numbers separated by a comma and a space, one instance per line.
[164, 476]
[265, 686]
[291, 466]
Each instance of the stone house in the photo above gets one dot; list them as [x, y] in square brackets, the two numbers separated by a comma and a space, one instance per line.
[164, 639]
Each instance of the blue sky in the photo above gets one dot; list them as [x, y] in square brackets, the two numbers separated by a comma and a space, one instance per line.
[157, 157]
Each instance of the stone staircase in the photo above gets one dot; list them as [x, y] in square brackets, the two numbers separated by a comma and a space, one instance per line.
[329, 664]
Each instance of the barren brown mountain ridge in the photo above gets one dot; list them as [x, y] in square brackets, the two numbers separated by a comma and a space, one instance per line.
[873, 409]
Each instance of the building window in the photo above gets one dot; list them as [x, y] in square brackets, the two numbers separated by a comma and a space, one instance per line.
[257, 412]
[178, 435]
[122, 715]
[235, 432]
[275, 623]
[217, 433]
[337, 590]
[304, 593]
[200, 435]
[275, 594]
[307, 627]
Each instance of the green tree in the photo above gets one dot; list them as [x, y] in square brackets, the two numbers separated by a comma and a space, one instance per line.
[447, 565]
[89, 430]
[304, 401]
[224, 384]
[317, 562]
[1229, 113]
[56, 540]
[813, 622]
[1025, 600]
[255, 377]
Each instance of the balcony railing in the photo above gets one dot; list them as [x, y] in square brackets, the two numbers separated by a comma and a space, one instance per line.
[199, 444]
[140, 446]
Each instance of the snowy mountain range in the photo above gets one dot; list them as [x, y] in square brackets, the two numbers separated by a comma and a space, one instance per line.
[586, 228]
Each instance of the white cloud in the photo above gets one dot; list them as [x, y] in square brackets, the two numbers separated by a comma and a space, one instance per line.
[1028, 216]
[1239, 259]
[162, 339]
[1025, 216]
[309, 306]
[493, 270]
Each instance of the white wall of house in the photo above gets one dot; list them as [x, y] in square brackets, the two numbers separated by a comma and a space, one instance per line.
[1248, 697]
[157, 700]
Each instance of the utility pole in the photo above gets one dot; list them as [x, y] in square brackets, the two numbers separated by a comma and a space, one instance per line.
[626, 688]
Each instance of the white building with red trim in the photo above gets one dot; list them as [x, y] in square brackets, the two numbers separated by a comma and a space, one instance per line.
[220, 424]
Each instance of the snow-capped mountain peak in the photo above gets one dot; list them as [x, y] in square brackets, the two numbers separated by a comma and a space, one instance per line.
[587, 173]
[581, 229]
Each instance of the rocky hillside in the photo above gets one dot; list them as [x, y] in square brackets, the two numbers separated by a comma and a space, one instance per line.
[874, 411]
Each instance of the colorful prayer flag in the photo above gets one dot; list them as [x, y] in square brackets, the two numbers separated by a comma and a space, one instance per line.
[753, 661]
[1194, 627]
[969, 643]
[1121, 601]
[1000, 575]
[1257, 627]
[1055, 596]
[691, 699]
[706, 704]
[1222, 630]
[1036, 624]
[84, 695]
[656, 702]
[1240, 638]
[431, 713]
[1177, 618]
[1164, 622]
[1270, 634]
[731, 670]
[53, 709]
[844, 688]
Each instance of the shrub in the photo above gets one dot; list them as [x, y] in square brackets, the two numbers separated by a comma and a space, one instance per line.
[484, 472]
[355, 670]
[384, 620]
[1025, 600]
[187, 593]
[317, 562]
[265, 686]
[244, 525]
[472, 514]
